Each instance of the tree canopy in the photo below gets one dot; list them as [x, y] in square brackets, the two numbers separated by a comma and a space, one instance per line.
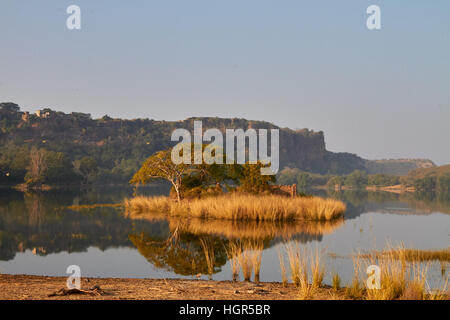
[198, 177]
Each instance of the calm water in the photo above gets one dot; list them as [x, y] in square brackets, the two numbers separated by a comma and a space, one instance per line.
[40, 236]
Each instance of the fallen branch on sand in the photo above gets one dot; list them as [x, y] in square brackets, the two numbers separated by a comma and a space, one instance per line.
[94, 291]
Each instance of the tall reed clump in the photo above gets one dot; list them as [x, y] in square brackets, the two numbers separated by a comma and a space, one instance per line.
[402, 277]
[356, 289]
[393, 278]
[336, 279]
[317, 268]
[243, 207]
[440, 294]
[147, 204]
[304, 264]
[296, 263]
[284, 279]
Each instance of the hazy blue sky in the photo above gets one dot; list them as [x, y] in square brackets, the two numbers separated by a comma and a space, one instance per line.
[314, 64]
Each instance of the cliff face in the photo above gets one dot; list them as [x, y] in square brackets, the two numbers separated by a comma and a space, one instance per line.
[117, 143]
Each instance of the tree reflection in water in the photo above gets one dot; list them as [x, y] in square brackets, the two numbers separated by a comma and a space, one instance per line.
[202, 247]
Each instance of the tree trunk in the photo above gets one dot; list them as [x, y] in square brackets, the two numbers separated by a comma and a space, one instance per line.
[177, 190]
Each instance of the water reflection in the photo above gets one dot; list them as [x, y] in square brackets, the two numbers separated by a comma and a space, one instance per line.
[39, 222]
[261, 230]
[197, 246]
[362, 201]
[40, 225]
[182, 253]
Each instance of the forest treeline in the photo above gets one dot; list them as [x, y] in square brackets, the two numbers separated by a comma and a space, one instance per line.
[436, 179]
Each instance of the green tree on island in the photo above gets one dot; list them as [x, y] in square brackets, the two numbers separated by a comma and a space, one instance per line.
[186, 178]
[160, 166]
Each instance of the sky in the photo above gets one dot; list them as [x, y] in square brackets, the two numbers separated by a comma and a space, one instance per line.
[300, 64]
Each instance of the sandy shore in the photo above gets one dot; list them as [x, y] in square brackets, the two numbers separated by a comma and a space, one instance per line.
[39, 287]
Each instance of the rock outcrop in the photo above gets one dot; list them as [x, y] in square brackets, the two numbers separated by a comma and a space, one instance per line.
[117, 142]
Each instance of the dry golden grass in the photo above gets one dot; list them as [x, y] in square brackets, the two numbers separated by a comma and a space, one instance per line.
[141, 204]
[415, 255]
[299, 260]
[399, 279]
[403, 276]
[284, 278]
[440, 294]
[393, 280]
[336, 282]
[317, 268]
[356, 289]
[296, 263]
[243, 207]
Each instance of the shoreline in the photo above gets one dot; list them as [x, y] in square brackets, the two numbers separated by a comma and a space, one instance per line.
[28, 287]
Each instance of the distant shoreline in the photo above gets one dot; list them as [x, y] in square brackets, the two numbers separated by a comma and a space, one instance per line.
[394, 189]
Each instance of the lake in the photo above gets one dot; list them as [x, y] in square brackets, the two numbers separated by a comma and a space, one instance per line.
[40, 235]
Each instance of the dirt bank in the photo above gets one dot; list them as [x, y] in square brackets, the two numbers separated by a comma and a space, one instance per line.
[38, 287]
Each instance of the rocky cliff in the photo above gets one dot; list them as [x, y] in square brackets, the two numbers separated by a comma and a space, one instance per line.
[119, 144]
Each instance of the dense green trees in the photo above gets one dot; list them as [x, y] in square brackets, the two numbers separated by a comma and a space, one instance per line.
[357, 179]
[13, 164]
[39, 166]
[427, 183]
[87, 167]
[335, 181]
[383, 180]
[251, 180]
[49, 167]
[440, 184]
[303, 179]
[434, 179]
[443, 184]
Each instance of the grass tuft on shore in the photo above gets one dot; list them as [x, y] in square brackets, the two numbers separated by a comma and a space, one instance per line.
[243, 207]
[403, 275]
